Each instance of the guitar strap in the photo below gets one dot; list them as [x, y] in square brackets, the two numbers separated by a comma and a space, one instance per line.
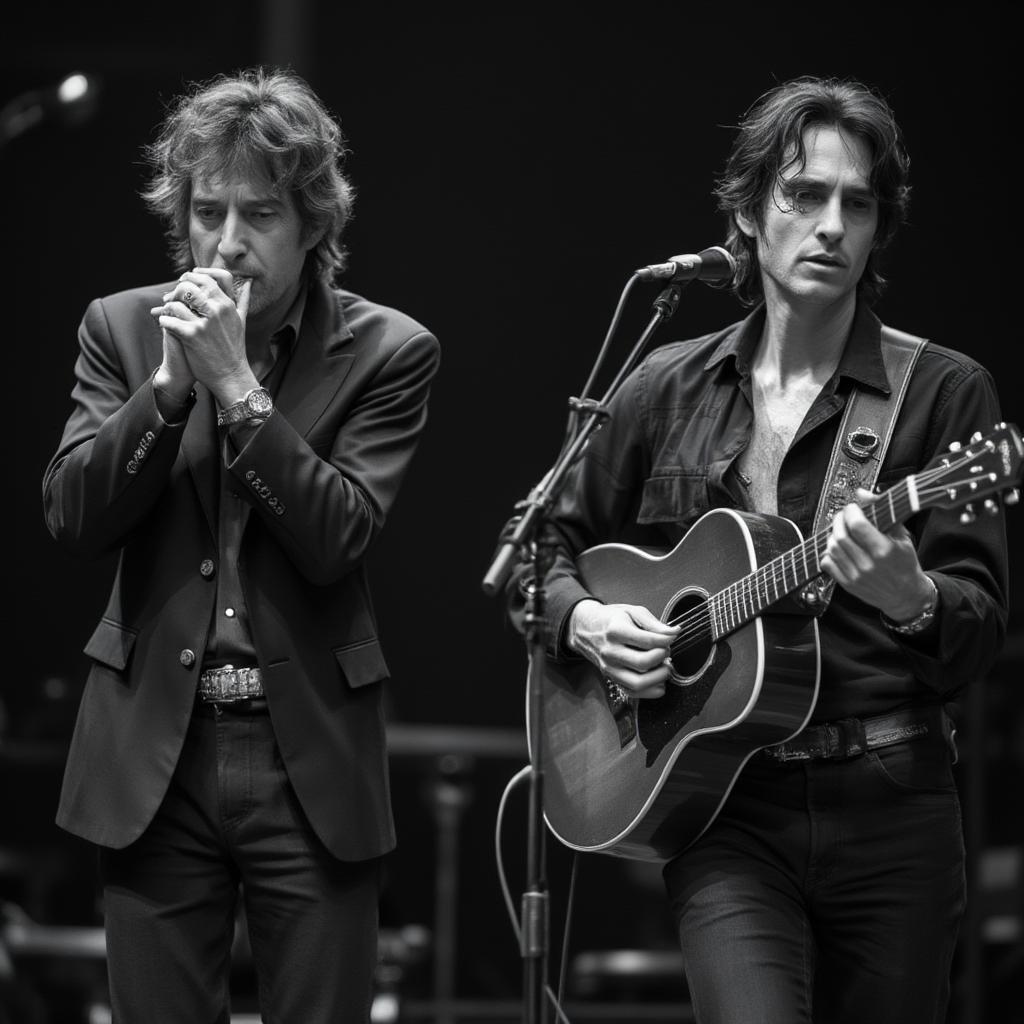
[861, 444]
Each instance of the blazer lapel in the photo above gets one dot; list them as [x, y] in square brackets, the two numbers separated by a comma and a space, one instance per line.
[319, 363]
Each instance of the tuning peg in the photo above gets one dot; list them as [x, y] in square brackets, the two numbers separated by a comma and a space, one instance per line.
[955, 446]
[976, 437]
[968, 515]
[1012, 496]
[992, 506]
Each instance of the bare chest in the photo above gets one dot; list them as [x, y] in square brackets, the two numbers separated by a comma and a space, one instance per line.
[777, 418]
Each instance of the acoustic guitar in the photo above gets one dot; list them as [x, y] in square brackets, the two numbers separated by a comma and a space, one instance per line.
[645, 778]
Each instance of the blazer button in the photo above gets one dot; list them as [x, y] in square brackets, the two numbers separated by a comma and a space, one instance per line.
[187, 658]
[206, 568]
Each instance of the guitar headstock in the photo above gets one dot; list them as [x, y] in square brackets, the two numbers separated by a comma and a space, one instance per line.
[986, 466]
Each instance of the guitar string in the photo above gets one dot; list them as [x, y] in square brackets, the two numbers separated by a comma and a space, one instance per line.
[697, 622]
[733, 599]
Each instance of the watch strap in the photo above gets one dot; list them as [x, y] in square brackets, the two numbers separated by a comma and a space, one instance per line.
[255, 404]
[918, 622]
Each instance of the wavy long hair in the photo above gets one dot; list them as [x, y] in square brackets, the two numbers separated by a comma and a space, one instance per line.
[262, 124]
[770, 139]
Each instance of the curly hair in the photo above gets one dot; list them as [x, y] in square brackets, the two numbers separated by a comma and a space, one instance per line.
[260, 123]
[770, 139]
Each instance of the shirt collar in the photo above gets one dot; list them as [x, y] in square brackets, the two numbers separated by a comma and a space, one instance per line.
[860, 362]
[284, 337]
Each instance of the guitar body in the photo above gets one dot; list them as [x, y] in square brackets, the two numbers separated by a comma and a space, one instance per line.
[645, 778]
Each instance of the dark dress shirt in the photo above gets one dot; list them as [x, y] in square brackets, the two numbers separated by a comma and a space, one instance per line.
[231, 641]
[669, 453]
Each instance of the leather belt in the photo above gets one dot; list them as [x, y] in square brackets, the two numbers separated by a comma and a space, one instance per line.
[849, 737]
[228, 684]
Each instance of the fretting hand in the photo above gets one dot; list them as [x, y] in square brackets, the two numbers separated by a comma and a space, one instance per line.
[882, 569]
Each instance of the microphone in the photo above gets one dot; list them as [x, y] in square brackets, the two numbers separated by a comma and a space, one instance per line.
[714, 264]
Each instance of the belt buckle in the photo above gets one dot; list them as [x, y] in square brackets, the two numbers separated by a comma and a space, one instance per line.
[227, 677]
[221, 679]
[237, 679]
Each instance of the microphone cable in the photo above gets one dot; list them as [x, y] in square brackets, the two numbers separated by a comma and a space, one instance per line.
[553, 998]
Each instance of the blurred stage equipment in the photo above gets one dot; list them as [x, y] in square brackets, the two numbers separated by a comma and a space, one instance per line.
[453, 751]
[71, 101]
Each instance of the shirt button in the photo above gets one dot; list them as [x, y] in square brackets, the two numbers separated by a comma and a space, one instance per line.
[229, 612]
[187, 658]
[206, 568]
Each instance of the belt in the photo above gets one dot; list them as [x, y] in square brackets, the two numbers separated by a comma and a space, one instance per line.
[849, 737]
[227, 684]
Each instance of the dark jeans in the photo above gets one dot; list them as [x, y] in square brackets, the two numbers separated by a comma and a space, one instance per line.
[229, 818]
[826, 891]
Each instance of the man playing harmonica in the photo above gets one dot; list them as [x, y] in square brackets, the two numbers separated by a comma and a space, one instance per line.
[238, 436]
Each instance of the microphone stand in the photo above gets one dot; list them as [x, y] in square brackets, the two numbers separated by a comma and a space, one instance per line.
[528, 542]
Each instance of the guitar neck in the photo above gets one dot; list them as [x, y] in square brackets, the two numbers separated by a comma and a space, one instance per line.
[755, 593]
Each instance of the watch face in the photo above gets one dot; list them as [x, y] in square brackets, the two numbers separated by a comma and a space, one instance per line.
[259, 402]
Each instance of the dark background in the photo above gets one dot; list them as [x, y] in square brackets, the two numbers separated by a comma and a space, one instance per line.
[512, 169]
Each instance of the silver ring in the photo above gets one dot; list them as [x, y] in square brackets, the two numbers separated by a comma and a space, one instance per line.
[187, 299]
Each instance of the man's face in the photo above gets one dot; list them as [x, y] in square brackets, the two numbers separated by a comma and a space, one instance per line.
[239, 224]
[820, 222]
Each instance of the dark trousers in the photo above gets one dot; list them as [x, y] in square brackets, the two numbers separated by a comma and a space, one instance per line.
[231, 821]
[826, 891]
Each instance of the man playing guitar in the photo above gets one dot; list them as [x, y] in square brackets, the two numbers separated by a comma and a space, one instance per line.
[830, 883]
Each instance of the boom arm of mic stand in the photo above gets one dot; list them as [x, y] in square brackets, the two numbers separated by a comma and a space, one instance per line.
[537, 505]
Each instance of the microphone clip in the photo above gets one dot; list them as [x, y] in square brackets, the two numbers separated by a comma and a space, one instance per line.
[589, 405]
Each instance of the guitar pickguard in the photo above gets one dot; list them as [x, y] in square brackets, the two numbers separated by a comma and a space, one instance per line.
[661, 721]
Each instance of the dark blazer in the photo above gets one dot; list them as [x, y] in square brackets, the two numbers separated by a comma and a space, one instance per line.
[320, 476]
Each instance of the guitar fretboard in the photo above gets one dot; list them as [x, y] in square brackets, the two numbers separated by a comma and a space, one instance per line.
[987, 466]
[738, 603]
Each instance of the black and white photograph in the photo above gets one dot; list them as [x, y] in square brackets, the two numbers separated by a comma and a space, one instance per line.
[517, 515]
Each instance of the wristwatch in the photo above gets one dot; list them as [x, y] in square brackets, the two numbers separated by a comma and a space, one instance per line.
[919, 622]
[255, 405]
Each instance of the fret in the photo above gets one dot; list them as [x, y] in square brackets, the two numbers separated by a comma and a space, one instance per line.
[730, 617]
[915, 501]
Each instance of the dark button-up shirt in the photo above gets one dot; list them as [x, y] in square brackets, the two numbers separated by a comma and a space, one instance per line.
[231, 641]
[669, 453]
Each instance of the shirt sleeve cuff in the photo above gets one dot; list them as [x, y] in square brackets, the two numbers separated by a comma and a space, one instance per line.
[173, 411]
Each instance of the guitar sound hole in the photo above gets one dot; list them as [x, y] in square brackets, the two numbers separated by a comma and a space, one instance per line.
[694, 648]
